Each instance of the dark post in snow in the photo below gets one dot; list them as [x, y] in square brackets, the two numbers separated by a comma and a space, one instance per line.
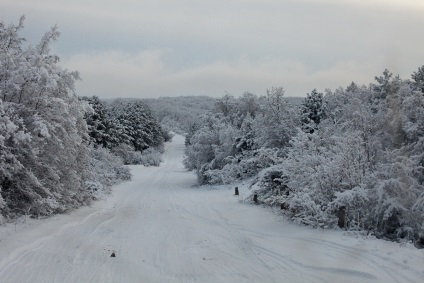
[236, 192]
[255, 198]
[341, 215]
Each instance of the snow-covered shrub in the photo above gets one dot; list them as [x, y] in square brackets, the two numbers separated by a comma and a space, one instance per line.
[396, 206]
[105, 170]
[167, 133]
[318, 176]
[244, 166]
[96, 189]
[210, 146]
[127, 153]
[150, 157]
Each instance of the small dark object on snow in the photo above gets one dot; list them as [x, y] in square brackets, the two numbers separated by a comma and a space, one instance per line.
[341, 215]
[113, 255]
[236, 191]
[255, 198]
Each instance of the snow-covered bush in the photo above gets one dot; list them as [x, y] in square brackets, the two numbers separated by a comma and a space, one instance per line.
[150, 157]
[396, 201]
[208, 146]
[105, 169]
[315, 175]
[167, 133]
[243, 166]
[127, 153]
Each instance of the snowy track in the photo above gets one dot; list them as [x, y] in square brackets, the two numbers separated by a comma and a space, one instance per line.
[162, 229]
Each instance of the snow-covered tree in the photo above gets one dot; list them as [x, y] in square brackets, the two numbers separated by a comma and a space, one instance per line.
[138, 124]
[227, 145]
[178, 114]
[313, 111]
[102, 130]
[278, 121]
[418, 78]
[210, 146]
[44, 152]
[39, 95]
[386, 86]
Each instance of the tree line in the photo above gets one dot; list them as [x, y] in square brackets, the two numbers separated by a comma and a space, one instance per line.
[352, 157]
[59, 151]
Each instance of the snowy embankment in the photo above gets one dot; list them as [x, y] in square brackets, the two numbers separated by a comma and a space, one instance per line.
[163, 229]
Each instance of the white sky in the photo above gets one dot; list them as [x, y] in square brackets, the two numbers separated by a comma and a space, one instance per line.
[152, 48]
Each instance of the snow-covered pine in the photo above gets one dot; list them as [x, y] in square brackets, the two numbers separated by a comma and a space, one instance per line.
[135, 133]
[313, 110]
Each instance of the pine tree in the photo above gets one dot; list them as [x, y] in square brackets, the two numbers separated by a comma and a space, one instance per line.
[136, 124]
[418, 78]
[313, 111]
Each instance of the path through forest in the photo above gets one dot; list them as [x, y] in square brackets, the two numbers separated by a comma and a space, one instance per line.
[164, 229]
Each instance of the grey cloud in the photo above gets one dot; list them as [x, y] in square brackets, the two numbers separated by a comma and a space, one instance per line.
[146, 74]
[208, 47]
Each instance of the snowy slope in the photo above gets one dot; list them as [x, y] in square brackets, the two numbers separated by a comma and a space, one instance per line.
[162, 229]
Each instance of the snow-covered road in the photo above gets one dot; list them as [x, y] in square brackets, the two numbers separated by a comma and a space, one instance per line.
[163, 229]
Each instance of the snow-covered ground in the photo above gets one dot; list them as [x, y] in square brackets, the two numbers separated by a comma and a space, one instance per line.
[163, 229]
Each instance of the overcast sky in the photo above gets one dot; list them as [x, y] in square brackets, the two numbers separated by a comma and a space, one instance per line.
[153, 48]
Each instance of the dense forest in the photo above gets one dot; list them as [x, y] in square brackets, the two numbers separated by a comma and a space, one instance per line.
[180, 114]
[59, 151]
[352, 158]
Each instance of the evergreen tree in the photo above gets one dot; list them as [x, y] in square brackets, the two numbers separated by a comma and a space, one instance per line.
[98, 122]
[136, 124]
[313, 111]
[418, 78]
